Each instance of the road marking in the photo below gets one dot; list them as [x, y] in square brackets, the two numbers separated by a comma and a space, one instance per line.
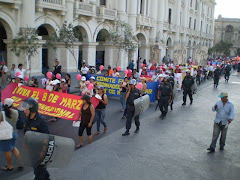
[236, 82]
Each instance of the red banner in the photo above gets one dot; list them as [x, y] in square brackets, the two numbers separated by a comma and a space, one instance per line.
[56, 104]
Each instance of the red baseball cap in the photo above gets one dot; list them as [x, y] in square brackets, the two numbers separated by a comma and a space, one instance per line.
[3, 63]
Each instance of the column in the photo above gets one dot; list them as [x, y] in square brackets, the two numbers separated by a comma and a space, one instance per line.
[69, 13]
[166, 10]
[89, 52]
[133, 7]
[68, 60]
[28, 14]
[153, 15]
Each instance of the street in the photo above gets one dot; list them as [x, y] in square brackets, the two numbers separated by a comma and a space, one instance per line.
[174, 148]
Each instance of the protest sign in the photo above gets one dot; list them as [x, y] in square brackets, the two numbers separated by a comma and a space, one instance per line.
[56, 104]
[112, 86]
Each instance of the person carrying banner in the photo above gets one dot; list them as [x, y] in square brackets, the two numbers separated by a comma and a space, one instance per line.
[217, 74]
[164, 96]
[35, 122]
[101, 110]
[224, 116]
[187, 83]
[132, 94]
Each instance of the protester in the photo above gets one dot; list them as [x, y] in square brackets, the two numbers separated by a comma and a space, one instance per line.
[131, 65]
[3, 75]
[123, 90]
[68, 82]
[144, 83]
[110, 71]
[11, 116]
[88, 91]
[101, 110]
[131, 76]
[57, 67]
[21, 70]
[64, 86]
[153, 67]
[227, 72]
[224, 116]
[33, 82]
[84, 70]
[37, 123]
[95, 85]
[164, 96]
[132, 94]
[82, 85]
[19, 80]
[49, 85]
[13, 73]
[155, 77]
[86, 115]
[115, 73]
[144, 72]
[136, 74]
[178, 70]
[129, 72]
[216, 74]
[106, 73]
[187, 83]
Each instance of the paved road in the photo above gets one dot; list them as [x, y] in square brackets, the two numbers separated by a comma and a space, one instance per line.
[171, 149]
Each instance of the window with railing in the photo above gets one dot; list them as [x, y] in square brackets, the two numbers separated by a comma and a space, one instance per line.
[102, 2]
[53, 1]
[190, 22]
[169, 15]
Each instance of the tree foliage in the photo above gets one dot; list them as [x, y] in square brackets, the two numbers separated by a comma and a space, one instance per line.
[26, 43]
[67, 36]
[122, 37]
[221, 48]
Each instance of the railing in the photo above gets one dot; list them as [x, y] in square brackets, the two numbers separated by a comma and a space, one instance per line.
[58, 5]
[144, 21]
[83, 9]
[106, 14]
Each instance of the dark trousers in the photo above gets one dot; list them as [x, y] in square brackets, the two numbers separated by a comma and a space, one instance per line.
[163, 104]
[227, 76]
[185, 93]
[216, 81]
[41, 173]
[130, 115]
[216, 132]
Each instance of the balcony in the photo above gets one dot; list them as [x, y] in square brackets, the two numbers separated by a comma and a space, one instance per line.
[56, 5]
[15, 4]
[182, 30]
[83, 9]
[104, 13]
[143, 21]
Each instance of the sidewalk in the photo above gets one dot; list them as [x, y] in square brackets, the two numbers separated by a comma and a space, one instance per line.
[174, 148]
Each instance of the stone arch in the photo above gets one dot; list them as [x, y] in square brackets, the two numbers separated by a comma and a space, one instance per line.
[169, 48]
[9, 24]
[7, 32]
[229, 33]
[142, 45]
[49, 24]
[48, 55]
[144, 34]
[85, 29]
[99, 28]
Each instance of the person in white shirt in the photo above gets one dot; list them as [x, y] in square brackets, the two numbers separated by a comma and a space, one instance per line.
[84, 70]
[49, 85]
[150, 64]
[13, 72]
[3, 78]
[21, 70]
[155, 77]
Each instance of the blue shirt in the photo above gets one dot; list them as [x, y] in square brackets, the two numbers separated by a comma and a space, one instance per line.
[224, 113]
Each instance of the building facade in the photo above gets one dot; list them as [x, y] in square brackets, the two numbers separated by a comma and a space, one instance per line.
[163, 28]
[228, 30]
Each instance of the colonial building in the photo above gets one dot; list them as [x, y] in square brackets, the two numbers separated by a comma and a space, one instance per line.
[228, 30]
[174, 28]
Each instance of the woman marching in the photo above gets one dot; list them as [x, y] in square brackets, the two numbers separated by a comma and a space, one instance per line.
[87, 115]
[11, 116]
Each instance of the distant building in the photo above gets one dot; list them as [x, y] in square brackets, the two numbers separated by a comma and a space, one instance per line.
[172, 28]
[228, 30]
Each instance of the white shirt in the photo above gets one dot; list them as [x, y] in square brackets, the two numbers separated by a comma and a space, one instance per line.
[49, 87]
[155, 78]
[149, 65]
[211, 68]
[21, 71]
[84, 70]
[5, 69]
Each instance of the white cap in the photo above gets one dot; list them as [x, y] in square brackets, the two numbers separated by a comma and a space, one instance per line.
[92, 78]
[160, 75]
[20, 76]
[55, 82]
[63, 80]
[83, 78]
[8, 102]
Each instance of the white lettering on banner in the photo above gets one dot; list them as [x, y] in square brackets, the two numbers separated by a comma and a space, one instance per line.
[49, 153]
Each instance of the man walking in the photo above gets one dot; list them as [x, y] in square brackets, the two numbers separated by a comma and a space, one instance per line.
[3, 73]
[217, 74]
[227, 72]
[164, 96]
[132, 94]
[187, 83]
[57, 68]
[224, 116]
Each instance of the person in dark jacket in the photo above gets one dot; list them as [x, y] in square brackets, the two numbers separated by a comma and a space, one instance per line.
[37, 123]
[227, 72]
[217, 74]
[132, 94]
[187, 83]
[164, 96]
[57, 68]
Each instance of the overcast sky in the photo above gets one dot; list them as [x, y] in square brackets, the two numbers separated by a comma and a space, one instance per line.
[228, 8]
